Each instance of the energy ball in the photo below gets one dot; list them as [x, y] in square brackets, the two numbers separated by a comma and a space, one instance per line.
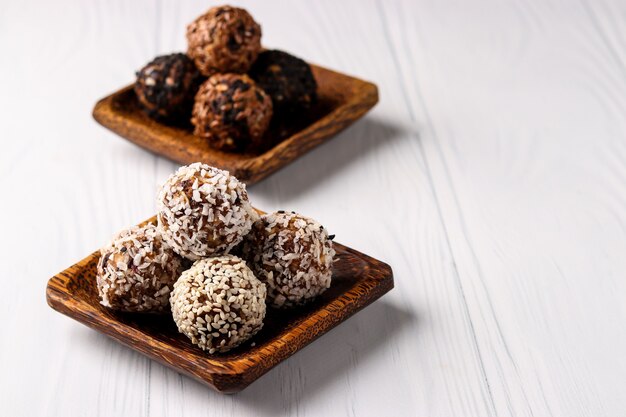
[231, 112]
[218, 303]
[225, 39]
[137, 271]
[292, 255]
[203, 211]
[166, 87]
[287, 79]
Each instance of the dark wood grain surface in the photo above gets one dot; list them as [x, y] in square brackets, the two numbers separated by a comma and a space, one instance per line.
[357, 281]
[342, 100]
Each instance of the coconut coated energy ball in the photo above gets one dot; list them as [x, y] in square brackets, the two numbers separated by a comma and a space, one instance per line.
[137, 271]
[231, 112]
[202, 211]
[287, 79]
[218, 303]
[166, 87]
[224, 39]
[293, 255]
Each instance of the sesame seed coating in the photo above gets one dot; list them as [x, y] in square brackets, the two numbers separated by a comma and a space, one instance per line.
[218, 303]
[137, 271]
[202, 211]
[293, 255]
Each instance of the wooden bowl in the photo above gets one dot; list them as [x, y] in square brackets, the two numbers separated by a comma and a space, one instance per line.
[342, 100]
[357, 281]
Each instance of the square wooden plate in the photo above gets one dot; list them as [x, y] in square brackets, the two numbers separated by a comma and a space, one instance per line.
[357, 281]
[342, 100]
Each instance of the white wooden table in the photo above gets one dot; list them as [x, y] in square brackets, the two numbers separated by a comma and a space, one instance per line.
[491, 176]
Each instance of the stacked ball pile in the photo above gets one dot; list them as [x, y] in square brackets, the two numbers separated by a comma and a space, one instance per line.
[204, 215]
[226, 85]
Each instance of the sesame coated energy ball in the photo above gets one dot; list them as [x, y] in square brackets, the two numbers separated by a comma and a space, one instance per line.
[287, 79]
[224, 39]
[218, 303]
[166, 87]
[203, 211]
[137, 271]
[231, 112]
[292, 255]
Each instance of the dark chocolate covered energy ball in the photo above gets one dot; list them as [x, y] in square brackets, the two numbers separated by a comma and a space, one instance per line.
[231, 112]
[166, 86]
[224, 39]
[287, 79]
[292, 254]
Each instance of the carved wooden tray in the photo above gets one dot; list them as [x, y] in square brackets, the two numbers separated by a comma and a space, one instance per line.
[342, 100]
[357, 281]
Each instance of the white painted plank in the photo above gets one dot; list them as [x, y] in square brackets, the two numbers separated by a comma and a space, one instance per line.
[490, 176]
[524, 148]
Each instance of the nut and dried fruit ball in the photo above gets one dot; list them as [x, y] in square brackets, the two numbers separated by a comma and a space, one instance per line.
[218, 303]
[293, 255]
[137, 271]
[287, 79]
[224, 39]
[203, 211]
[167, 85]
[231, 112]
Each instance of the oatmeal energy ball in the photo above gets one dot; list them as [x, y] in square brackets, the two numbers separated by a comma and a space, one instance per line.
[167, 85]
[137, 271]
[218, 303]
[231, 112]
[203, 211]
[224, 39]
[287, 79]
[292, 255]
